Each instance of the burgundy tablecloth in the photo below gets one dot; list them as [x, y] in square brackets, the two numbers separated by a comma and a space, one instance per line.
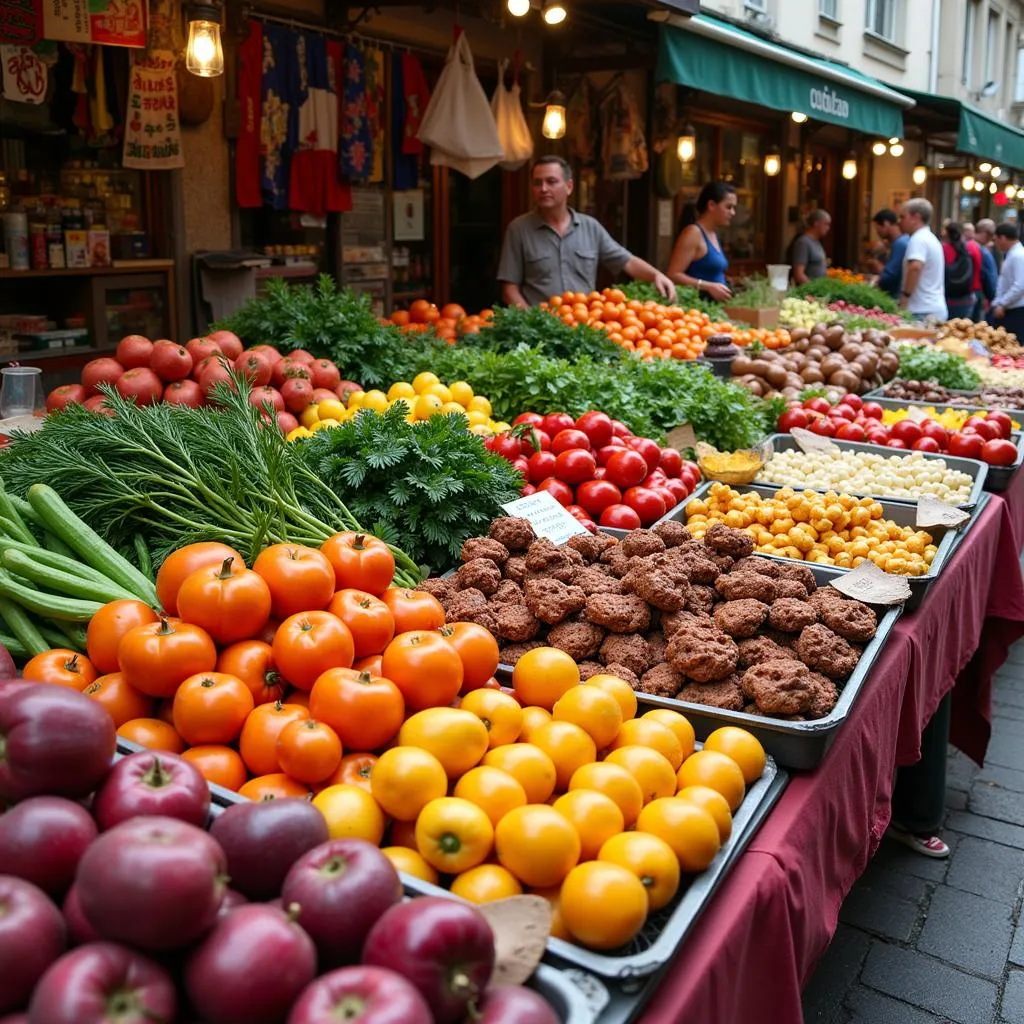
[1014, 498]
[755, 947]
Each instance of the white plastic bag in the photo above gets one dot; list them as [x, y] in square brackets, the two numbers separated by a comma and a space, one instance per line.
[513, 131]
[458, 124]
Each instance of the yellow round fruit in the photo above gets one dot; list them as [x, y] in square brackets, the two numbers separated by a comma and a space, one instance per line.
[441, 391]
[410, 862]
[401, 389]
[481, 430]
[533, 718]
[424, 380]
[543, 675]
[743, 747]
[651, 769]
[454, 835]
[350, 813]
[494, 791]
[486, 883]
[650, 858]
[713, 802]
[324, 425]
[501, 427]
[646, 732]
[619, 689]
[375, 400]
[455, 736]
[450, 407]
[678, 723]
[569, 748]
[537, 844]
[500, 712]
[309, 416]
[479, 419]
[426, 406]
[355, 399]
[688, 829]
[461, 392]
[603, 905]
[593, 710]
[331, 409]
[614, 782]
[480, 404]
[528, 765]
[405, 779]
[711, 768]
[595, 817]
[294, 435]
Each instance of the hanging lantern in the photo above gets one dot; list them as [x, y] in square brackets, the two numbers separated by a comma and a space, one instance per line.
[772, 162]
[1011, 191]
[553, 126]
[850, 167]
[554, 14]
[798, 118]
[878, 148]
[896, 148]
[204, 55]
[518, 8]
[686, 146]
[920, 173]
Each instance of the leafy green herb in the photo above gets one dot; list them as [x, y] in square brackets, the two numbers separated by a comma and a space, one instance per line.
[687, 298]
[538, 329]
[925, 362]
[756, 293]
[831, 289]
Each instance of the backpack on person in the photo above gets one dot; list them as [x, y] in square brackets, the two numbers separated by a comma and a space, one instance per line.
[960, 273]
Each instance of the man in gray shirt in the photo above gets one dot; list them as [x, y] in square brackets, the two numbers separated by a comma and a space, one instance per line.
[808, 254]
[553, 249]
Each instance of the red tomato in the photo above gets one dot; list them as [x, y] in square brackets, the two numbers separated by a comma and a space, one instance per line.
[855, 402]
[256, 367]
[667, 496]
[325, 374]
[679, 488]
[577, 511]
[534, 440]
[818, 405]
[597, 495]
[670, 462]
[878, 436]
[626, 468]
[1004, 423]
[648, 449]
[269, 351]
[505, 445]
[140, 384]
[646, 502]
[297, 394]
[824, 427]
[522, 465]
[170, 361]
[599, 473]
[906, 431]
[895, 442]
[541, 466]
[202, 348]
[844, 411]
[872, 410]
[100, 371]
[619, 429]
[561, 492]
[620, 517]
[936, 432]
[691, 474]
[926, 444]
[605, 453]
[574, 466]
[850, 432]
[134, 351]
[556, 421]
[64, 395]
[999, 452]
[597, 426]
[529, 417]
[261, 395]
[965, 446]
[527, 490]
[184, 392]
[988, 429]
[570, 438]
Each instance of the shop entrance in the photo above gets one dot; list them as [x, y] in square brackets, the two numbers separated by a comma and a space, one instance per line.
[823, 187]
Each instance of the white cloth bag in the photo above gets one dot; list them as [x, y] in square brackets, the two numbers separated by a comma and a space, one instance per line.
[513, 131]
[458, 124]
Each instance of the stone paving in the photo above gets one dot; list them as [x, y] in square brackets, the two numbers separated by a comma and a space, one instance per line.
[923, 941]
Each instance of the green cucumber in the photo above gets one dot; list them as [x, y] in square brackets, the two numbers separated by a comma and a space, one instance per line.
[15, 648]
[64, 634]
[51, 606]
[63, 523]
[13, 522]
[22, 627]
[55, 561]
[142, 553]
[65, 583]
[56, 545]
[25, 510]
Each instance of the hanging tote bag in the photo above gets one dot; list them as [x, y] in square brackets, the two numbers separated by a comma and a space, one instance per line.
[458, 124]
[513, 131]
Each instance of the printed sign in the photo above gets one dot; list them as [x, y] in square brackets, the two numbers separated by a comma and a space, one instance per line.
[808, 441]
[868, 583]
[24, 74]
[111, 22]
[19, 22]
[932, 512]
[546, 516]
[152, 136]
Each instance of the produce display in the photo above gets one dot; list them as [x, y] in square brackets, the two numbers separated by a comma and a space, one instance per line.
[927, 362]
[928, 391]
[448, 322]
[797, 312]
[998, 340]
[967, 435]
[829, 529]
[1004, 369]
[871, 473]
[697, 620]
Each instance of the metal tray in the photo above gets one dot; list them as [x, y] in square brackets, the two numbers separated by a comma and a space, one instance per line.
[964, 400]
[975, 469]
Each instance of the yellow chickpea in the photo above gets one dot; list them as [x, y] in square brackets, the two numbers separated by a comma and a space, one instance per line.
[859, 517]
[804, 542]
[897, 566]
[876, 510]
[865, 502]
[915, 545]
[697, 507]
[784, 494]
[764, 515]
[872, 542]
[834, 511]
[736, 519]
[842, 522]
[793, 552]
[836, 545]
[781, 526]
[844, 561]
[858, 531]
[859, 549]
[895, 532]
[802, 512]
[817, 508]
[781, 541]
[847, 502]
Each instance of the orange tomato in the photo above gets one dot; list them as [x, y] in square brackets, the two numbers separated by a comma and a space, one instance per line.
[413, 609]
[743, 747]
[603, 905]
[476, 648]
[400, 317]
[252, 661]
[308, 750]
[533, 718]
[179, 564]
[646, 732]
[300, 579]
[211, 707]
[122, 702]
[485, 884]
[372, 665]
[307, 644]
[425, 667]
[456, 737]
[61, 667]
[156, 657]
[360, 562]
[109, 625]
[223, 766]
[714, 803]
[537, 844]
[453, 835]
[568, 746]
[593, 710]
[595, 817]
[543, 675]
[501, 714]
[276, 786]
[300, 697]
[651, 769]
[153, 734]
[688, 829]
[350, 813]
[528, 765]
[365, 711]
[405, 779]
[679, 724]
[651, 859]
[711, 768]
[494, 791]
[353, 770]
[369, 620]
[614, 782]
[410, 862]
[420, 310]
[258, 740]
[229, 601]
[452, 311]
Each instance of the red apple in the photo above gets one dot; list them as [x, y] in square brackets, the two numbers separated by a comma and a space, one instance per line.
[229, 342]
[286, 422]
[445, 949]
[152, 782]
[251, 968]
[342, 887]
[32, 937]
[361, 995]
[55, 741]
[103, 983]
[155, 883]
[514, 1004]
[233, 899]
[42, 840]
[263, 840]
[255, 367]
[79, 930]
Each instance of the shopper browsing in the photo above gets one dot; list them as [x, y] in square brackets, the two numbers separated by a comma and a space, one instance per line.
[554, 249]
[807, 254]
[697, 258]
[890, 274]
[962, 271]
[1008, 305]
[923, 292]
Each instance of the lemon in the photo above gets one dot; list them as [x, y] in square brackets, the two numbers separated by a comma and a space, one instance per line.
[482, 429]
[453, 407]
[479, 419]
[324, 425]
[480, 404]
[309, 416]
[401, 389]
[424, 380]
[461, 392]
[355, 399]
[294, 435]
[375, 400]
[440, 390]
[426, 406]
[501, 427]
[331, 409]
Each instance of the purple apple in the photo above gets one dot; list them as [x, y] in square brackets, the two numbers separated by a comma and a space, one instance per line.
[251, 968]
[32, 936]
[152, 782]
[342, 887]
[55, 741]
[263, 840]
[514, 1004]
[103, 983]
[79, 930]
[155, 883]
[16, 1018]
[233, 899]
[42, 840]
[8, 670]
[446, 949]
[361, 995]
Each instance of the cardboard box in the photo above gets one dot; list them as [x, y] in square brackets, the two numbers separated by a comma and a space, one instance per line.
[767, 317]
[99, 247]
[76, 248]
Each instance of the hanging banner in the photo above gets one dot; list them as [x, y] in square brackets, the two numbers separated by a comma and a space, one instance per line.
[19, 22]
[111, 22]
[24, 74]
[152, 136]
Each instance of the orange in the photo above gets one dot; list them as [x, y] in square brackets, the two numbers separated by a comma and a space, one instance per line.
[646, 732]
[500, 712]
[603, 905]
[595, 817]
[651, 859]
[713, 802]
[710, 768]
[528, 765]
[533, 718]
[537, 844]
[274, 786]
[486, 883]
[457, 738]
[679, 724]
[613, 781]
[554, 896]
[494, 791]
[350, 813]
[568, 746]
[454, 835]
[410, 862]
[152, 733]
[405, 779]
[592, 709]
[651, 769]
[220, 765]
[743, 747]
[619, 689]
[542, 675]
[690, 831]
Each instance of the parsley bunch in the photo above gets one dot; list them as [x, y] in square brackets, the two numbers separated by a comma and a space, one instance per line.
[538, 329]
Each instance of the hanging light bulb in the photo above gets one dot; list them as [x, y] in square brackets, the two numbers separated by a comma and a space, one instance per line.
[896, 148]
[850, 167]
[997, 171]
[772, 162]
[518, 8]
[967, 182]
[554, 14]
[894, 140]
[920, 173]
[979, 186]
[553, 126]
[878, 148]
[686, 146]
[984, 167]
[204, 55]
[1011, 191]
[993, 188]
[798, 118]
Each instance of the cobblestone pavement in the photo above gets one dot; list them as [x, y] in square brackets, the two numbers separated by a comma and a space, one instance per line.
[924, 941]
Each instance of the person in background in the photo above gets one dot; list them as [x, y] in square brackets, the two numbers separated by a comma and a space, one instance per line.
[890, 274]
[807, 254]
[697, 258]
[989, 282]
[1008, 305]
[984, 235]
[967, 231]
[923, 291]
[553, 249]
[962, 271]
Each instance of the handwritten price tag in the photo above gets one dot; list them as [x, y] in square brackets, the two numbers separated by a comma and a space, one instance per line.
[932, 512]
[868, 583]
[546, 516]
[807, 441]
[916, 414]
[682, 437]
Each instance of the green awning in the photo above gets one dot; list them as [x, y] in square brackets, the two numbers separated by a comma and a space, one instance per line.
[717, 57]
[977, 134]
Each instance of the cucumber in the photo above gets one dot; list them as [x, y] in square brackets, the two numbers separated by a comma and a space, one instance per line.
[63, 523]
[142, 553]
[55, 561]
[61, 582]
[50, 606]
[13, 521]
[64, 634]
[22, 627]
[56, 545]
[14, 646]
[25, 510]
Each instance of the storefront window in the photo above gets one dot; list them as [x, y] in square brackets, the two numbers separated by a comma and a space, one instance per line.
[701, 168]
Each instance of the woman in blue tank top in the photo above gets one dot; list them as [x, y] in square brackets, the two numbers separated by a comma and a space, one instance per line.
[697, 258]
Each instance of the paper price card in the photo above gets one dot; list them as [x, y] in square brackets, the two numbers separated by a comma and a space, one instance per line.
[546, 516]
[932, 512]
[868, 583]
[808, 441]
